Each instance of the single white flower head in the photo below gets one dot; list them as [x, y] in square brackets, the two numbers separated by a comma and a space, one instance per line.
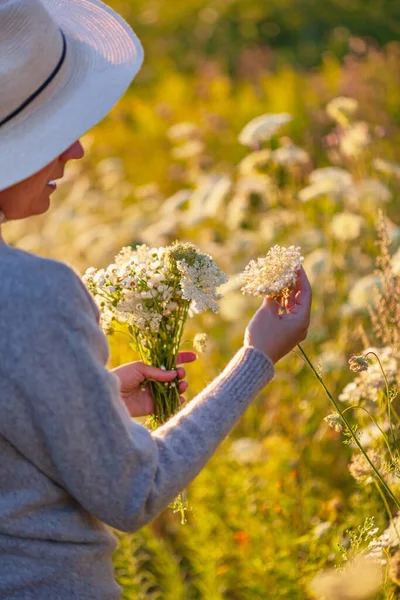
[335, 421]
[362, 471]
[346, 226]
[184, 131]
[200, 342]
[262, 128]
[358, 363]
[355, 139]
[337, 175]
[274, 275]
[387, 167]
[342, 109]
[290, 156]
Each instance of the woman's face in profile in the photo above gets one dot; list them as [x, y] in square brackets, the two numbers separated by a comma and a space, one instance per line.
[32, 195]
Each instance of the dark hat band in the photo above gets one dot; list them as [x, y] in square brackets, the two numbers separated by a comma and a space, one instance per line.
[42, 87]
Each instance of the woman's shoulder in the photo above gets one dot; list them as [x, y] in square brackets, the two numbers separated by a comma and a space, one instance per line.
[40, 283]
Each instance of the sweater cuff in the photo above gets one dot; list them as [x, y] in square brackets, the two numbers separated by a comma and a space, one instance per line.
[253, 366]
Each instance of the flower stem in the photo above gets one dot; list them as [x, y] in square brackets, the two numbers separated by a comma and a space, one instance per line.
[389, 512]
[389, 405]
[348, 425]
[374, 421]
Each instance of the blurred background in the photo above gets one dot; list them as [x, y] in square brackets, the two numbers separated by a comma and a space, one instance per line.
[271, 508]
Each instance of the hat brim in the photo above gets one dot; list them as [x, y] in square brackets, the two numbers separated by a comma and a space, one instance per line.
[103, 56]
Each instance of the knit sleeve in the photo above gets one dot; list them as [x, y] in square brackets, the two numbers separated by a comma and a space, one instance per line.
[68, 419]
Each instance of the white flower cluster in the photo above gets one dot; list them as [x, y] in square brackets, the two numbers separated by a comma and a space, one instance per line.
[275, 274]
[136, 289]
[360, 468]
[200, 342]
[335, 421]
[390, 538]
[368, 384]
[144, 288]
[199, 282]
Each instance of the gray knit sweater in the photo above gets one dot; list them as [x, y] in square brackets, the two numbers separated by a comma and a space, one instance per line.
[72, 459]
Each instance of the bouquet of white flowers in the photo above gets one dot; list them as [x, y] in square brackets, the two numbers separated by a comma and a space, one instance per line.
[153, 291]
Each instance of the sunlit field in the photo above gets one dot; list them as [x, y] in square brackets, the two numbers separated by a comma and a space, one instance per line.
[289, 494]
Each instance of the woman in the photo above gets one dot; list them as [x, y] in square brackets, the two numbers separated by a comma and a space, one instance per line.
[72, 460]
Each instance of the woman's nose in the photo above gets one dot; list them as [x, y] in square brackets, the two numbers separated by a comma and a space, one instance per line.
[74, 152]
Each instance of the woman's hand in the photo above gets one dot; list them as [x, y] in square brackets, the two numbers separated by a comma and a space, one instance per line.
[138, 401]
[277, 334]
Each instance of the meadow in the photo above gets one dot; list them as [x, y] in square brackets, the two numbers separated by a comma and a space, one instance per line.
[283, 498]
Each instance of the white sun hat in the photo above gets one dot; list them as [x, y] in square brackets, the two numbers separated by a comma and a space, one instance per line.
[63, 66]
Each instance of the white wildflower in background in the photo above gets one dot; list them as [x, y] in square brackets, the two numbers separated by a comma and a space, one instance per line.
[377, 550]
[320, 529]
[337, 175]
[331, 360]
[273, 275]
[355, 139]
[254, 161]
[335, 421]
[255, 185]
[317, 264]
[262, 128]
[175, 202]
[246, 450]
[184, 131]
[391, 535]
[362, 471]
[346, 226]
[358, 363]
[200, 342]
[290, 155]
[342, 109]
[395, 263]
[369, 384]
[332, 182]
[369, 434]
[362, 293]
[148, 191]
[189, 150]
[387, 167]
[208, 198]
[369, 191]
[360, 579]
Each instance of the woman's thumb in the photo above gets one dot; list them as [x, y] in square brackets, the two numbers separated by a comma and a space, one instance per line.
[157, 374]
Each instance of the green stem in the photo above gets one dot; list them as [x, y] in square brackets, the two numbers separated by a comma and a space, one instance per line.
[389, 512]
[389, 405]
[344, 418]
[372, 418]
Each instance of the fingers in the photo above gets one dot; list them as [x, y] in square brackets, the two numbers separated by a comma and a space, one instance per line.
[182, 387]
[271, 305]
[185, 357]
[181, 373]
[303, 289]
[155, 373]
